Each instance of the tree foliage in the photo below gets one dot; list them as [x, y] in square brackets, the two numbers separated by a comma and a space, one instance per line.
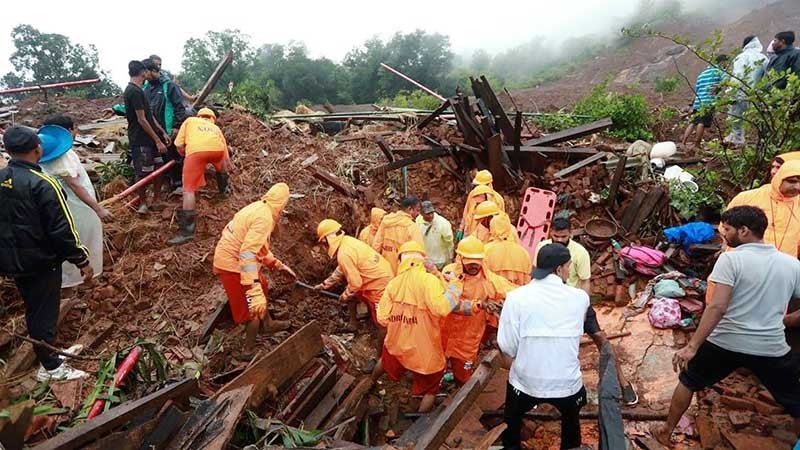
[201, 56]
[45, 58]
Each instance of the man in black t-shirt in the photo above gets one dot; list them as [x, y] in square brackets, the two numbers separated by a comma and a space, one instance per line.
[148, 141]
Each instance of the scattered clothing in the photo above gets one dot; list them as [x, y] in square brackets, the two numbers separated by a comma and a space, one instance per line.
[665, 313]
[88, 224]
[668, 288]
[438, 237]
[690, 234]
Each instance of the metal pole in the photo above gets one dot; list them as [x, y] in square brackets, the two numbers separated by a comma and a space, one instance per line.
[50, 86]
[429, 91]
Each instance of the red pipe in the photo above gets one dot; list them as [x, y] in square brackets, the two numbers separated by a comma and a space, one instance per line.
[50, 86]
[122, 372]
[415, 83]
[139, 184]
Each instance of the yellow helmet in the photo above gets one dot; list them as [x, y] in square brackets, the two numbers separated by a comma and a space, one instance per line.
[326, 227]
[206, 112]
[486, 209]
[471, 248]
[412, 247]
[482, 178]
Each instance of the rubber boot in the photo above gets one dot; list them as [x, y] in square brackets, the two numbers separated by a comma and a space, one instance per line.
[222, 184]
[186, 224]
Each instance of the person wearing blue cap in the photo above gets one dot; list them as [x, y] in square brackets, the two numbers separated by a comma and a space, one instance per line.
[62, 163]
[37, 234]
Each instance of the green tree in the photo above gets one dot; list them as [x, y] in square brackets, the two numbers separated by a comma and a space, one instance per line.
[44, 58]
[201, 56]
[363, 64]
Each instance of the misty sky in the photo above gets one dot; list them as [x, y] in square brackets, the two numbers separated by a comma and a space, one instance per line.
[328, 28]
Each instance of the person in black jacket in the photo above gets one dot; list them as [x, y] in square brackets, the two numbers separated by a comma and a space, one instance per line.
[37, 233]
[166, 103]
[787, 57]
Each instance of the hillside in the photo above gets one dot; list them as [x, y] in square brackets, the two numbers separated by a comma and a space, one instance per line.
[635, 66]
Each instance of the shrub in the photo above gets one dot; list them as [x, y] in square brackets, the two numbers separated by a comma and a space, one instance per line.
[664, 85]
[630, 112]
[412, 99]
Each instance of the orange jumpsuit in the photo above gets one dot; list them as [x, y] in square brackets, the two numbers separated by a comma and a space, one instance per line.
[244, 248]
[367, 273]
[468, 218]
[485, 235]
[395, 230]
[411, 309]
[463, 329]
[506, 257]
[368, 233]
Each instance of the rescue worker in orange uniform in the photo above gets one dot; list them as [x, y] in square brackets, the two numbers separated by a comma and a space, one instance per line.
[365, 271]
[480, 193]
[480, 292]
[367, 235]
[505, 257]
[202, 142]
[396, 229]
[484, 213]
[411, 309]
[239, 256]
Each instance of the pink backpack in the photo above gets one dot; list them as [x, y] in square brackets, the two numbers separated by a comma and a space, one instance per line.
[643, 259]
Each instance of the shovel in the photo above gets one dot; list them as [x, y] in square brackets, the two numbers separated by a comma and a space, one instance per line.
[328, 294]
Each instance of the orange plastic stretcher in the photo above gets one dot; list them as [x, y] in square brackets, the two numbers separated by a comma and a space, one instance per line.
[535, 216]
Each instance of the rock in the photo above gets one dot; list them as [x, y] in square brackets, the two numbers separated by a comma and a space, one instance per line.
[708, 431]
[740, 419]
[737, 403]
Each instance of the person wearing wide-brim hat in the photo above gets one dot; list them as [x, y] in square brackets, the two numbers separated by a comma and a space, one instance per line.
[37, 234]
[61, 162]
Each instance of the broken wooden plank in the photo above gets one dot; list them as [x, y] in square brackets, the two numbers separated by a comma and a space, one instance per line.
[347, 432]
[473, 135]
[213, 79]
[497, 111]
[220, 314]
[632, 209]
[580, 164]
[445, 422]
[279, 364]
[387, 151]
[438, 111]
[309, 385]
[352, 400]
[646, 209]
[319, 391]
[572, 133]
[419, 157]
[518, 141]
[490, 438]
[331, 399]
[332, 181]
[13, 428]
[410, 437]
[363, 136]
[613, 190]
[168, 424]
[565, 151]
[214, 421]
[117, 416]
[494, 147]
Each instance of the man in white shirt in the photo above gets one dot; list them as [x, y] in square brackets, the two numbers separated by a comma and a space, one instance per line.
[540, 329]
[437, 233]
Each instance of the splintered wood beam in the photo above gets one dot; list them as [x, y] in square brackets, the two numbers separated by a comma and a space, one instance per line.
[614, 189]
[445, 422]
[348, 405]
[220, 314]
[332, 181]
[495, 108]
[213, 79]
[494, 147]
[565, 151]
[387, 151]
[572, 133]
[580, 164]
[426, 121]
[213, 423]
[329, 401]
[105, 423]
[518, 141]
[418, 157]
[279, 364]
